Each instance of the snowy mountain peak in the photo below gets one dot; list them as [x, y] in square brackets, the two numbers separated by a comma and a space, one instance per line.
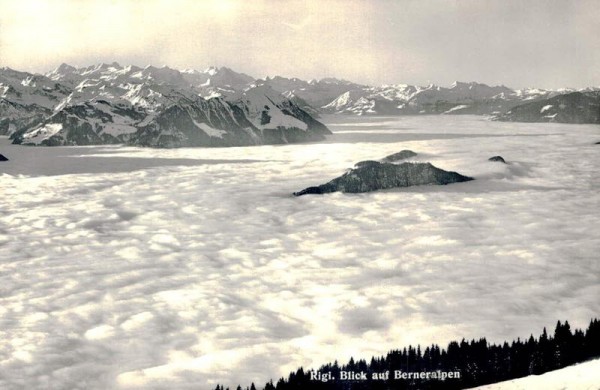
[64, 68]
[211, 70]
[61, 71]
[189, 71]
[333, 80]
[470, 85]
[260, 90]
[106, 66]
[466, 85]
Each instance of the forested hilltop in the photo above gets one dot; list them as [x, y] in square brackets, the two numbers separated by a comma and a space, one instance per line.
[477, 361]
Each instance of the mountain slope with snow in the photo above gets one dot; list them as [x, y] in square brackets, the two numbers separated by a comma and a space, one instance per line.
[584, 376]
[575, 107]
[316, 93]
[160, 107]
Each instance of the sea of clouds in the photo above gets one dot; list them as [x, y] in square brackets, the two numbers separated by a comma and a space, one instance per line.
[130, 268]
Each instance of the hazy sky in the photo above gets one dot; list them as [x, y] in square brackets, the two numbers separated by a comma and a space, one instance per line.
[549, 43]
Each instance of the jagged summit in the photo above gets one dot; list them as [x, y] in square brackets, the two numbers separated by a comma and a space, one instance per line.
[64, 67]
[211, 70]
[333, 80]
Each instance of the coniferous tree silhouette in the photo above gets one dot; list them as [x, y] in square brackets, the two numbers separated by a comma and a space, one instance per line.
[477, 361]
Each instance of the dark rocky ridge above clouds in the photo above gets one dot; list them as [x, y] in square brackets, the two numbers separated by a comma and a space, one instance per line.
[389, 172]
[370, 176]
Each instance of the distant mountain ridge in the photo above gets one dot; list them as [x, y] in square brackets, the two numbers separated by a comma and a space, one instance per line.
[402, 99]
[574, 107]
[165, 107]
[459, 98]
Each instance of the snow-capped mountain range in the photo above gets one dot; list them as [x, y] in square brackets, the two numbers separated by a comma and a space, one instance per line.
[459, 98]
[165, 107]
[161, 107]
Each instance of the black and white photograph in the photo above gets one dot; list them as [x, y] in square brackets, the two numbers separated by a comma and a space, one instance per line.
[299, 194]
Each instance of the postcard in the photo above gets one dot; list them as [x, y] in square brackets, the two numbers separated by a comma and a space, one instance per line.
[317, 194]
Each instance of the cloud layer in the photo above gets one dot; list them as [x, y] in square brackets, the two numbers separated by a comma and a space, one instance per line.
[188, 275]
